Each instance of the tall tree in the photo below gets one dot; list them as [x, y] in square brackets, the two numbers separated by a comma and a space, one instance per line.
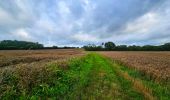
[109, 46]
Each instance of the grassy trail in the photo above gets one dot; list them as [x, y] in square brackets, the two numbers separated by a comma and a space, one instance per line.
[101, 82]
[92, 77]
[104, 84]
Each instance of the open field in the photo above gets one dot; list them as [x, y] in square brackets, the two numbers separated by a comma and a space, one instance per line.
[155, 65]
[10, 58]
[78, 75]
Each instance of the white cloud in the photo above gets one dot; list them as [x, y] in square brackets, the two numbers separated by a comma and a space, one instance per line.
[143, 24]
[85, 38]
[151, 28]
[5, 18]
[63, 9]
[22, 34]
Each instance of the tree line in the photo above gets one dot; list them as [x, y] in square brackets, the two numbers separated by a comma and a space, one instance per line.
[24, 45]
[19, 45]
[110, 46]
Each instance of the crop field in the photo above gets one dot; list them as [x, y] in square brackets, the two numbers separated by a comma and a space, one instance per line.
[154, 64]
[74, 74]
[24, 57]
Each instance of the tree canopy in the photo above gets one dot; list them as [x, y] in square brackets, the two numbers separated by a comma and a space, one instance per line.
[110, 46]
[17, 45]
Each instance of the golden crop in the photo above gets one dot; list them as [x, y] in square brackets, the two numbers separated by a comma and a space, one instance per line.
[156, 65]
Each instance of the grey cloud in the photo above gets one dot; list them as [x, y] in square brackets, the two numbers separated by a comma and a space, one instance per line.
[116, 13]
[64, 22]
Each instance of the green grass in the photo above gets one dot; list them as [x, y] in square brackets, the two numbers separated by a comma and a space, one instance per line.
[90, 77]
[104, 84]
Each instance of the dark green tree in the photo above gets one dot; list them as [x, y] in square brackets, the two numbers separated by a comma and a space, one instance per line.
[121, 48]
[165, 47]
[19, 45]
[93, 47]
[109, 46]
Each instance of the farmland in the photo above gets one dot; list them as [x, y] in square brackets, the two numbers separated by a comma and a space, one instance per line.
[75, 74]
[154, 64]
[14, 57]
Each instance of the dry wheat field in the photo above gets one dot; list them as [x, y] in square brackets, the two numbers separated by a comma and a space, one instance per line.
[26, 57]
[154, 64]
[75, 74]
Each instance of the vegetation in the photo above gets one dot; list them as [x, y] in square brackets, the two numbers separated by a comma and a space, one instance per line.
[92, 47]
[37, 57]
[24, 45]
[153, 64]
[90, 77]
[159, 90]
[19, 45]
[110, 46]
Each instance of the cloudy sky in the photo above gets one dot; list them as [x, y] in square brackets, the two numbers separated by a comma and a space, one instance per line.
[79, 22]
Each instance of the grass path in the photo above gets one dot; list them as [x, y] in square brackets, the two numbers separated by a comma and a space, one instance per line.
[104, 84]
[101, 82]
[92, 77]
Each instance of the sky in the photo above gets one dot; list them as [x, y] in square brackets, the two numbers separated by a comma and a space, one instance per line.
[80, 22]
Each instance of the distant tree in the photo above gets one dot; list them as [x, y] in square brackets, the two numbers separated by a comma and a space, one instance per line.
[165, 47]
[11, 45]
[102, 44]
[109, 46]
[149, 48]
[121, 48]
[55, 47]
[93, 47]
[134, 48]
